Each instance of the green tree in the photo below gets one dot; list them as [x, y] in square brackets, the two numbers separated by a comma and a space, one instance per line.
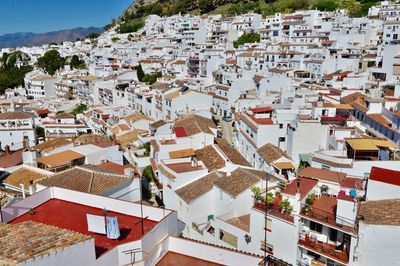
[148, 173]
[326, 5]
[132, 26]
[51, 61]
[206, 6]
[76, 63]
[247, 38]
[115, 39]
[12, 76]
[140, 73]
[93, 35]
[79, 109]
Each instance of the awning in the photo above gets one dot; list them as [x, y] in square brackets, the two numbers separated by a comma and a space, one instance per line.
[362, 145]
[283, 165]
[181, 153]
[305, 157]
[343, 107]
[61, 158]
[370, 144]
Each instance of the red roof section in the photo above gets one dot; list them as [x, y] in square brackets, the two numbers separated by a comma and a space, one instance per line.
[262, 121]
[173, 258]
[385, 175]
[262, 109]
[117, 168]
[333, 118]
[184, 167]
[43, 111]
[306, 185]
[72, 216]
[12, 159]
[180, 132]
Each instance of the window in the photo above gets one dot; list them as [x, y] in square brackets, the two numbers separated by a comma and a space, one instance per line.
[326, 167]
[332, 234]
[280, 125]
[315, 227]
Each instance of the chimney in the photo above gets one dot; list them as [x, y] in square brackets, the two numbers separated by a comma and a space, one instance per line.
[7, 150]
[229, 168]
[32, 187]
[298, 186]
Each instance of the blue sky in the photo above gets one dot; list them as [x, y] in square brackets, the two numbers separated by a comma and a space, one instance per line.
[49, 15]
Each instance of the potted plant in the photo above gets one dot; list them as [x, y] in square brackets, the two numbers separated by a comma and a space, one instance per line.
[256, 193]
[286, 206]
[269, 198]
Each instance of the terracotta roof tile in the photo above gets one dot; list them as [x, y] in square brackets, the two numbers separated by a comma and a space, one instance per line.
[306, 185]
[271, 153]
[322, 174]
[23, 176]
[210, 157]
[85, 180]
[194, 124]
[381, 212]
[51, 144]
[233, 155]
[27, 240]
[199, 187]
[239, 180]
[15, 115]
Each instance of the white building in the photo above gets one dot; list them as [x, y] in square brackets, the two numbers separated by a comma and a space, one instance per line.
[17, 130]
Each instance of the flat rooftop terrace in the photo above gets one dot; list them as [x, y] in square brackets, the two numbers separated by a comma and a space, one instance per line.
[72, 216]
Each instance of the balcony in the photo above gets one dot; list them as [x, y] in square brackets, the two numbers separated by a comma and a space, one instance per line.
[274, 210]
[323, 211]
[330, 251]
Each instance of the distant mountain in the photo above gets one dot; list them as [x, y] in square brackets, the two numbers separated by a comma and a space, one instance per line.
[13, 40]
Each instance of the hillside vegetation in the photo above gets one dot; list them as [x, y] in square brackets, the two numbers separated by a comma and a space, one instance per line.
[13, 70]
[133, 18]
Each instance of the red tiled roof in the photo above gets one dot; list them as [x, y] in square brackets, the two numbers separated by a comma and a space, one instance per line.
[10, 160]
[176, 259]
[72, 216]
[322, 174]
[184, 167]
[116, 168]
[180, 132]
[385, 175]
[262, 109]
[333, 118]
[306, 185]
[43, 111]
[262, 121]
[352, 182]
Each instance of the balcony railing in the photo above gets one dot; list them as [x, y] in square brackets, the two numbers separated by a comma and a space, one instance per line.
[324, 249]
[274, 211]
